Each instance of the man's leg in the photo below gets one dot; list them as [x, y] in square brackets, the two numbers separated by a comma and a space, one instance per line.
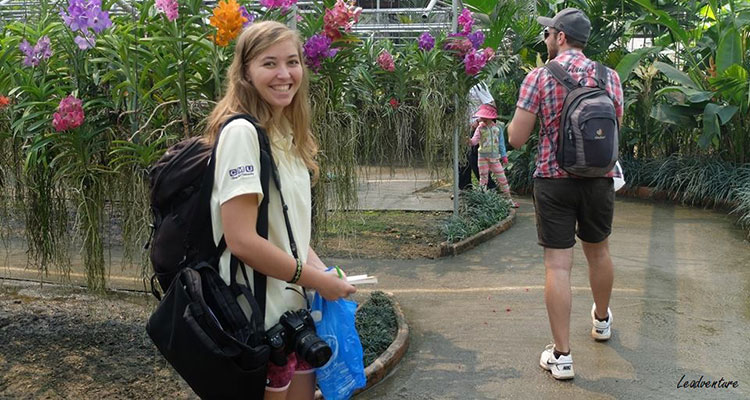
[601, 274]
[557, 295]
[464, 173]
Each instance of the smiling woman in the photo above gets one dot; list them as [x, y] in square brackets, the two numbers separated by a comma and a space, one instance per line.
[268, 81]
[277, 74]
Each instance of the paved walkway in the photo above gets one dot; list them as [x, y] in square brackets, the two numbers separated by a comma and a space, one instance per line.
[478, 321]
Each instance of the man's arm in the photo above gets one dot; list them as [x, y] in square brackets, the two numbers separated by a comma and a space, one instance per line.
[520, 127]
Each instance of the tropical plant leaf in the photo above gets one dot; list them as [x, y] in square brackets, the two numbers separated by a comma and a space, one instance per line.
[631, 60]
[711, 128]
[692, 95]
[482, 6]
[675, 75]
[672, 114]
[662, 18]
[729, 51]
[725, 113]
[733, 85]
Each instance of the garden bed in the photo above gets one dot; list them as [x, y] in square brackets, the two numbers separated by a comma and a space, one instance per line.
[383, 234]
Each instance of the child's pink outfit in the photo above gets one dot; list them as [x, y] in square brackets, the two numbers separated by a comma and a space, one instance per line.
[491, 140]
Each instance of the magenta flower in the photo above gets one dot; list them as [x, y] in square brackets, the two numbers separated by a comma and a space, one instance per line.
[341, 17]
[249, 18]
[426, 41]
[476, 39]
[466, 20]
[284, 5]
[460, 45]
[169, 7]
[385, 60]
[69, 114]
[489, 53]
[474, 61]
[34, 55]
[316, 49]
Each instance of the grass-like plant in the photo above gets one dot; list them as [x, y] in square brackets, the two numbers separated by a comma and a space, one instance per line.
[478, 210]
[377, 325]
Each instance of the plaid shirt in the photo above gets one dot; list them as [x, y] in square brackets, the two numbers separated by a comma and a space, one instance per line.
[541, 94]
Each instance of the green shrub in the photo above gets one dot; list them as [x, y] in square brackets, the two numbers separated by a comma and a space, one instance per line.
[477, 211]
[377, 325]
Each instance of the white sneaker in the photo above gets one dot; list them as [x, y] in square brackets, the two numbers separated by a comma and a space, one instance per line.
[602, 330]
[561, 368]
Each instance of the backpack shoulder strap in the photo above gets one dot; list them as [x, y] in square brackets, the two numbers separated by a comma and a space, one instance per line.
[601, 75]
[561, 75]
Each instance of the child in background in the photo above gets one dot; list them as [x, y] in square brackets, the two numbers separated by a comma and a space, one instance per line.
[491, 139]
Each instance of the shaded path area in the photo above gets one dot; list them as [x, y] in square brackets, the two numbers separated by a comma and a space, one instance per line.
[681, 306]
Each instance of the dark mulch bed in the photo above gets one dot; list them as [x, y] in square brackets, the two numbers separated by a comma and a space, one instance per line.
[66, 343]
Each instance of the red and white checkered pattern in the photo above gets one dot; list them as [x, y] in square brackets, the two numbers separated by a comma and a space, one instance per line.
[541, 94]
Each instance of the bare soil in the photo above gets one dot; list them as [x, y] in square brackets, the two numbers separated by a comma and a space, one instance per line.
[66, 343]
[383, 234]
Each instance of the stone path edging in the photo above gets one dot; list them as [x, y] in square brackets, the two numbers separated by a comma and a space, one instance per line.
[452, 249]
[379, 369]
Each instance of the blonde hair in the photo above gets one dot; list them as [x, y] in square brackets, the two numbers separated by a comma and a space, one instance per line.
[243, 98]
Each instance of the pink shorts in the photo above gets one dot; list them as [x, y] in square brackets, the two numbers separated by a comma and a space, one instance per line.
[279, 378]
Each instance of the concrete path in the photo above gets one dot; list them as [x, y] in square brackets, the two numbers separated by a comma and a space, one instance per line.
[402, 189]
[478, 321]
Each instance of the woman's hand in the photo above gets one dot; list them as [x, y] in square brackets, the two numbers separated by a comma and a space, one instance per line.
[333, 288]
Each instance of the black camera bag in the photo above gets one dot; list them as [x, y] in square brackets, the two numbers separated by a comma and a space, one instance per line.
[199, 326]
[202, 332]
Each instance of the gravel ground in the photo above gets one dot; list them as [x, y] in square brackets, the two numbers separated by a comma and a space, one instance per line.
[66, 343]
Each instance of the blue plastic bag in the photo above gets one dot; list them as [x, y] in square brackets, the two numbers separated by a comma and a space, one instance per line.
[345, 371]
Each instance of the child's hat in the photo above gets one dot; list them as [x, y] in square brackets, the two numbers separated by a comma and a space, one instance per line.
[486, 111]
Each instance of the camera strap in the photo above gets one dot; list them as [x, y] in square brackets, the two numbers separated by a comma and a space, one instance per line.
[267, 170]
[285, 209]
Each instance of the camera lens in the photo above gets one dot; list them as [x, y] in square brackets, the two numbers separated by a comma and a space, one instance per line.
[313, 349]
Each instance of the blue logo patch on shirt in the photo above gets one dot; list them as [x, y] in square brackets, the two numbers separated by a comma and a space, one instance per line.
[242, 170]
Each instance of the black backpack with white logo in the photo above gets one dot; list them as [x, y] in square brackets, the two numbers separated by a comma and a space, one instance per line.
[180, 184]
[587, 144]
[198, 325]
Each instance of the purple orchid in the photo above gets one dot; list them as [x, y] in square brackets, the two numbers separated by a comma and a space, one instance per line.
[34, 55]
[426, 41]
[248, 16]
[316, 49]
[477, 39]
[85, 16]
[85, 42]
[474, 61]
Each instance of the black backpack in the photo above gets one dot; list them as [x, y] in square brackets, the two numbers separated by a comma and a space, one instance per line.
[587, 143]
[198, 326]
[180, 185]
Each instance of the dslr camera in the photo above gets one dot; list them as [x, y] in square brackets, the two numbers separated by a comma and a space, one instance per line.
[296, 332]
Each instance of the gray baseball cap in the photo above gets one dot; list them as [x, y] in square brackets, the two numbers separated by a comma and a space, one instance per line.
[572, 21]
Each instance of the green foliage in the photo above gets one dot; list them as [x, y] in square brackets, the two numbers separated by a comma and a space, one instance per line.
[149, 82]
[377, 325]
[478, 210]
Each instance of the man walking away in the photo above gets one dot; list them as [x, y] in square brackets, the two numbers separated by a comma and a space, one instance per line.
[567, 205]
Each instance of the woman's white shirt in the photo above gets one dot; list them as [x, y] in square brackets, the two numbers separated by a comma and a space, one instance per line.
[237, 173]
